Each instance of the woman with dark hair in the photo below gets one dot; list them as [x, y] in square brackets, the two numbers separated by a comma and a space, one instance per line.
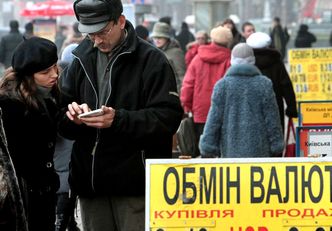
[28, 93]
[237, 37]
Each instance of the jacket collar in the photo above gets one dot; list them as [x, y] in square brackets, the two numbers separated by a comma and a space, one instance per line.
[87, 54]
[243, 70]
[85, 49]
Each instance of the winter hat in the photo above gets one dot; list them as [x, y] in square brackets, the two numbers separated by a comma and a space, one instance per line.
[67, 55]
[161, 30]
[259, 40]
[221, 35]
[34, 55]
[242, 53]
[94, 15]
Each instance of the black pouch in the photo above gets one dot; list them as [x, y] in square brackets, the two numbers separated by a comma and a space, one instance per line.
[186, 138]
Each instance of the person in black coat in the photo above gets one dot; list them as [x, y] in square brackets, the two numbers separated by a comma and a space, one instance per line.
[28, 33]
[28, 94]
[279, 37]
[9, 42]
[143, 33]
[134, 85]
[268, 61]
[184, 37]
[304, 38]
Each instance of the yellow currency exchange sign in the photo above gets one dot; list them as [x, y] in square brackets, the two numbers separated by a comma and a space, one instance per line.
[239, 194]
[315, 112]
[310, 70]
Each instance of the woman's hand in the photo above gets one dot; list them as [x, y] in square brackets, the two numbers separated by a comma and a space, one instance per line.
[74, 110]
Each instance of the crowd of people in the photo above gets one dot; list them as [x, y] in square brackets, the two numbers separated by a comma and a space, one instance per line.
[234, 84]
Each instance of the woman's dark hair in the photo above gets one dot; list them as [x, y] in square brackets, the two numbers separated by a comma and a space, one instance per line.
[22, 88]
[230, 21]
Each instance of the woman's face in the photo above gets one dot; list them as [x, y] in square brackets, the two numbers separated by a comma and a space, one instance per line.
[159, 42]
[47, 77]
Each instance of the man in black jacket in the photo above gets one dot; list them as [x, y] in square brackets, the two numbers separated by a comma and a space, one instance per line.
[134, 85]
[9, 42]
[304, 38]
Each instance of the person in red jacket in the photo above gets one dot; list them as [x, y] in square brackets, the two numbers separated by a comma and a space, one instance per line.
[208, 66]
[202, 38]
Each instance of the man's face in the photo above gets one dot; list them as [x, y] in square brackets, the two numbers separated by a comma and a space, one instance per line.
[201, 38]
[248, 30]
[110, 36]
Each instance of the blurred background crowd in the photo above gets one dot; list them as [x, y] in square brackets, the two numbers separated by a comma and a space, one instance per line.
[55, 19]
[198, 14]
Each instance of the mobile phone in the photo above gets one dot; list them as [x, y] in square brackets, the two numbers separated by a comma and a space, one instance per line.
[97, 112]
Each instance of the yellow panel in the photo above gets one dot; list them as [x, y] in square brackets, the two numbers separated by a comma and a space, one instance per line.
[310, 71]
[262, 196]
[317, 113]
[183, 223]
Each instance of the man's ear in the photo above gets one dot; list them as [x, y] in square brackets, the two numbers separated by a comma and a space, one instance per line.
[122, 21]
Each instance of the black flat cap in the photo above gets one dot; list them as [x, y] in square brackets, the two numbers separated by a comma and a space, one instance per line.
[34, 55]
[94, 15]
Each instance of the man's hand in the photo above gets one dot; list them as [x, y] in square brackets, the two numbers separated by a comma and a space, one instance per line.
[100, 121]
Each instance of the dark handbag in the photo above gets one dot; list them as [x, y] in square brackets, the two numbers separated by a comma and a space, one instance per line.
[186, 137]
[290, 150]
